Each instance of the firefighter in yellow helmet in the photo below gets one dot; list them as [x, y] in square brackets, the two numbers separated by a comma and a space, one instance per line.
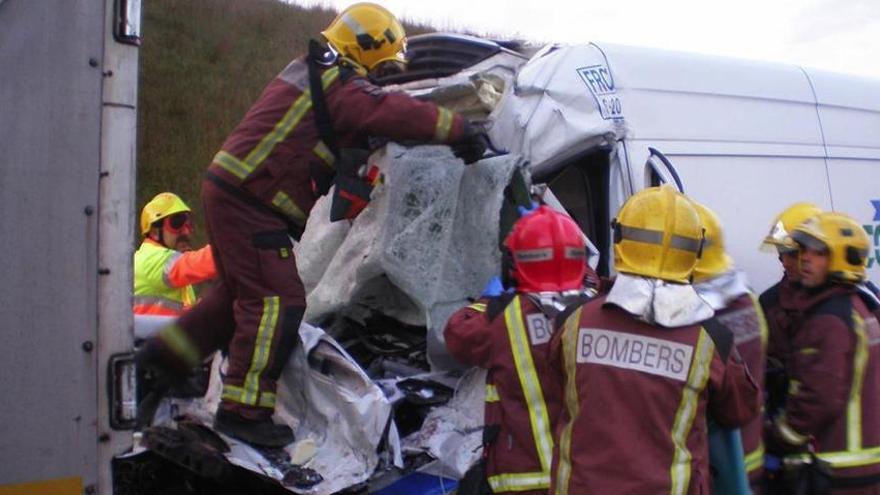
[832, 360]
[779, 302]
[165, 266]
[293, 145]
[640, 373]
[368, 36]
[736, 306]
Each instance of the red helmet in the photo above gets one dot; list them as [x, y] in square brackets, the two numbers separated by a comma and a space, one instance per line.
[548, 252]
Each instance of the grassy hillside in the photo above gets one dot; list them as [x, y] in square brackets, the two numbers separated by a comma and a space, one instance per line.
[203, 63]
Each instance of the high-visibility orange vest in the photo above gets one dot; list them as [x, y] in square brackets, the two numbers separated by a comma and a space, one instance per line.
[164, 278]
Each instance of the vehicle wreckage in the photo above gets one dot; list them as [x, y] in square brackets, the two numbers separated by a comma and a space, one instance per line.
[375, 402]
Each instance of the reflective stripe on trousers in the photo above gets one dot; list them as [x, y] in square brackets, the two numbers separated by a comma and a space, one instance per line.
[249, 394]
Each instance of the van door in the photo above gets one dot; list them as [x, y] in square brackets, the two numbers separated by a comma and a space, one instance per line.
[849, 113]
[591, 187]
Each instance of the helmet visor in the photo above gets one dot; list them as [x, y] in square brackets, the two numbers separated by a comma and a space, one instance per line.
[808, 241]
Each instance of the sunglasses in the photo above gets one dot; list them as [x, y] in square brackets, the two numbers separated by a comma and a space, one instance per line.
[178, 222]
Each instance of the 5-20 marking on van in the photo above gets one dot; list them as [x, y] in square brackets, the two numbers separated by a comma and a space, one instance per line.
[600, 82]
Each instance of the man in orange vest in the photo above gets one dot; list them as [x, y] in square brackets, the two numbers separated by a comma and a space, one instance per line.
[286, 152]
[165, 265]
[508, 334]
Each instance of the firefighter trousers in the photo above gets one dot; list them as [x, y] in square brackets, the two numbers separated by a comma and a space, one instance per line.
[256, 308]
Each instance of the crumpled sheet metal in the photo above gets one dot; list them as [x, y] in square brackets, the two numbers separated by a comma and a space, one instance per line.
[453, 433]
[549, 114]
[328, 401]
[427, 241]
[474, 92]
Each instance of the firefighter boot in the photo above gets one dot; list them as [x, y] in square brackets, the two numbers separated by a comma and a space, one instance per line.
[263, 433]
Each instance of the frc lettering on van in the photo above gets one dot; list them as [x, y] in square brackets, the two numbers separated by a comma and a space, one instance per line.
[873, 231]
[600, 82]
[635, 352]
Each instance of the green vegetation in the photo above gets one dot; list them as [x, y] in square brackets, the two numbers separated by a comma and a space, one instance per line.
[203, 63]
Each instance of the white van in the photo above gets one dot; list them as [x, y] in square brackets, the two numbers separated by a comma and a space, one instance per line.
[745, 138]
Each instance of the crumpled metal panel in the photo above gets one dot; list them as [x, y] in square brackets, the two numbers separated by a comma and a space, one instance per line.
[555, 109]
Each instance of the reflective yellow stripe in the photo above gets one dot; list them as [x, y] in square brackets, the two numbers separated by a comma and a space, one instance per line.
[232, 164]
[519, 482]
[160, 301]
[61, 486]
[528, 377]
[444, 125]
[324, 153]
[854, 407]
[572, 401]
[283, 202]
[789, 434]
[180, 343]
[841, 459]
[492, 393]
[233, 393]
[286, 125]
[680, 471]
[762, 320]
[754, 459]
[262, 348]
[478, 307]
[267, 400]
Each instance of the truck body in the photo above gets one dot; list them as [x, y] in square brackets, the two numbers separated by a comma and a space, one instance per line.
[68, 106]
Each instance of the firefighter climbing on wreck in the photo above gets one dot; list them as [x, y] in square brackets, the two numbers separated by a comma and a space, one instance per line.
[508, 333]
[258, 192]
[640, 374]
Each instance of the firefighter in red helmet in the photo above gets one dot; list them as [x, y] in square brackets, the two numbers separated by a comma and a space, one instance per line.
[507, 334]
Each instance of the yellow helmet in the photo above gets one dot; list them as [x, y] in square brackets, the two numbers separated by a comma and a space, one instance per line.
[368, 34]
[714, 260]
[162, 205]
[657, 234]
[779, 237]
[843, 238]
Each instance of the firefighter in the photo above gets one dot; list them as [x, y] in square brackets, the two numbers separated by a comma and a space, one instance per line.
[780, 298]
[779, 302]
[833, 362]
[508, 335]
[737, 309]
[165, 265]
[640, 374]
[258, 193]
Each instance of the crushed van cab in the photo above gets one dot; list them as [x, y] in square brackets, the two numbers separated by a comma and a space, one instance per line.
[375, 400]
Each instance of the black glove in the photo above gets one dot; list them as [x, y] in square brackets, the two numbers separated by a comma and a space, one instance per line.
[473, 144]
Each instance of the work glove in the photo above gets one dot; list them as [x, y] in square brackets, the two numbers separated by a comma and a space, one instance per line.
[473, 143]
[494, 287]
[523, 211]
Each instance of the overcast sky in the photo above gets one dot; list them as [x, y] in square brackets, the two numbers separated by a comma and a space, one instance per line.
[837, 35]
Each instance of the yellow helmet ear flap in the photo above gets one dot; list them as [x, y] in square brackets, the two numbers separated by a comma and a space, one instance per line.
[713, 258]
